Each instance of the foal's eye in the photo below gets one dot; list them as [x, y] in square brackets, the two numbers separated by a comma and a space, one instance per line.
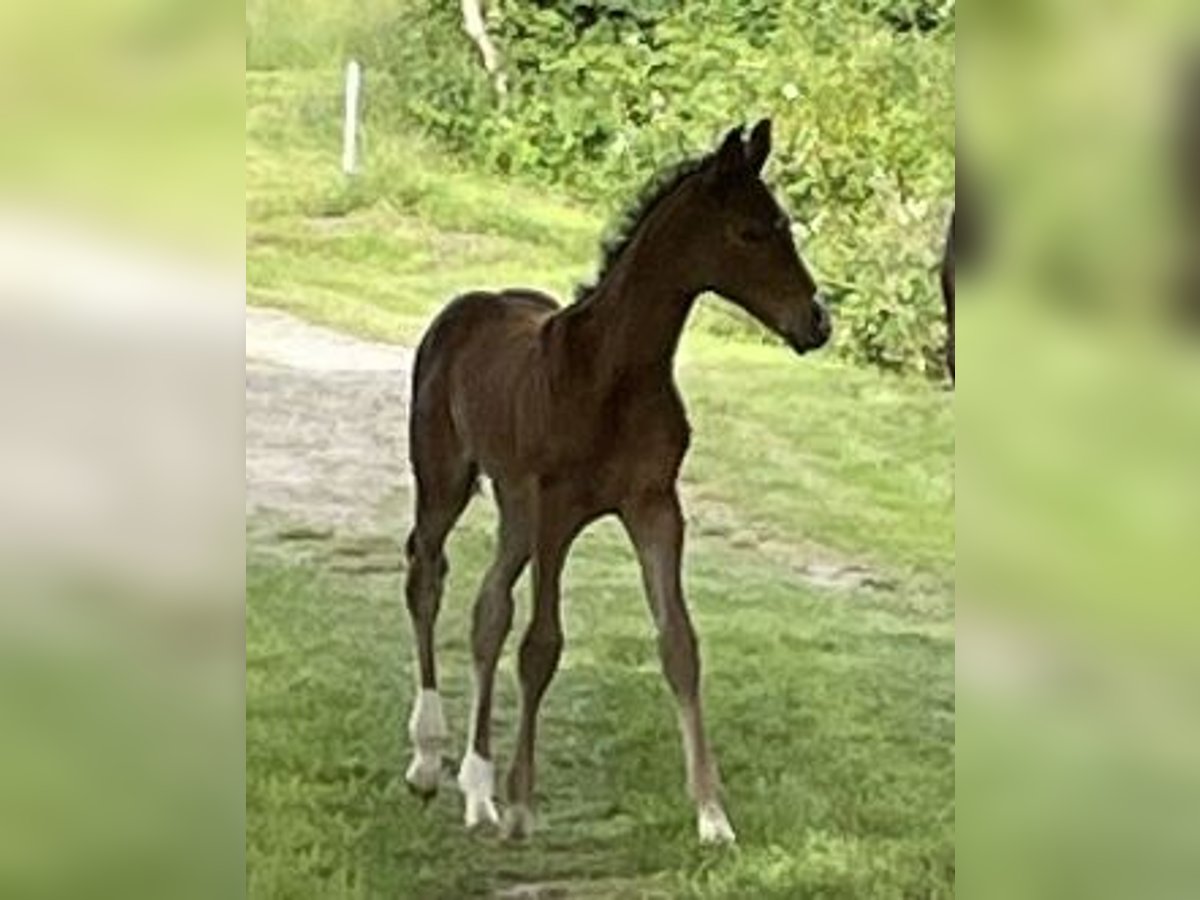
[755, 234]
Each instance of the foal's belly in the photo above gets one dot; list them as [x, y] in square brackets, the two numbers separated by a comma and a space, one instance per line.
[603, 459]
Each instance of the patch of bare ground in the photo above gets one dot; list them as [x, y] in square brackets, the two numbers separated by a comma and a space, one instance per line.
[808, 561]
[326, 422]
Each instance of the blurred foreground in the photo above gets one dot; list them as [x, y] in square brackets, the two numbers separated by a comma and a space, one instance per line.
[120, 460]
[1078, 458]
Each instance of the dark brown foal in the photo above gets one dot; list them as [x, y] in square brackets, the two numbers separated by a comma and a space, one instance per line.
[574, 414]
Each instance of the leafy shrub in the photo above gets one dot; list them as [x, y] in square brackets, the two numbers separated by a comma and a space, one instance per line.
[604, 92]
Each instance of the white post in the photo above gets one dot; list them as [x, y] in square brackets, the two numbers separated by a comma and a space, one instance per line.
[350, 126]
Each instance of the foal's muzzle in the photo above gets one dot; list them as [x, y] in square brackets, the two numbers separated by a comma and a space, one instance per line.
[819, 330]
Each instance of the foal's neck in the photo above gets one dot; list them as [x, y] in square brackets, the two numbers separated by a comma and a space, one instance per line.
[632, 322]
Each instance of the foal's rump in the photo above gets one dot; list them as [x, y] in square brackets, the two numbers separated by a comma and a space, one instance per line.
[476, 375]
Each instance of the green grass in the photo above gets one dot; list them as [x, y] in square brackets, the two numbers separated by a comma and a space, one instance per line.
[832, 714]
[832, 710]
[377, 254]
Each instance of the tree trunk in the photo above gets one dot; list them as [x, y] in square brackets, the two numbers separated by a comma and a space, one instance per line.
[473, 25]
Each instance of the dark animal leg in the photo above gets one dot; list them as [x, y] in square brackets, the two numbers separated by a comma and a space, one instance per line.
[443, 488]
[655, 524]
[555, 526]
[948, 292]
[492, 622]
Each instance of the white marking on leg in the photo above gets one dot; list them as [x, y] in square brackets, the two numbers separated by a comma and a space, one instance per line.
[477, 781]
[687, 728]
[473, 722]
[714, 824]
[427, 730]
[703, 782]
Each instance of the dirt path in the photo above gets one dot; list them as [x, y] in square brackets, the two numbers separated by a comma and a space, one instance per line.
[326, 416]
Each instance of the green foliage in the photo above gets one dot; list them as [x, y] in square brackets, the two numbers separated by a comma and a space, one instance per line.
[605, 92]
[913, 15]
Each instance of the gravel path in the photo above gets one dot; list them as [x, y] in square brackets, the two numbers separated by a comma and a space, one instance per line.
[326, 420]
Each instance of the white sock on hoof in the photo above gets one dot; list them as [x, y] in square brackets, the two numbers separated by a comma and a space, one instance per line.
[714, 825]
[427, 730]
[476, 780]
[518, 822]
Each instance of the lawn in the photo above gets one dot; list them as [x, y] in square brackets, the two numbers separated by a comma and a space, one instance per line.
[831, 703]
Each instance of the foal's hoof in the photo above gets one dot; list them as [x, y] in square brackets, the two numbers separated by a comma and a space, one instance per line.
[423, 776]
[715, 829]
[518, 823]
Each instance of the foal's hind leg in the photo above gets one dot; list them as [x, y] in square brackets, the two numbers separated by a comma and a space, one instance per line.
[444, 486]
[655, 524]
[492, 622]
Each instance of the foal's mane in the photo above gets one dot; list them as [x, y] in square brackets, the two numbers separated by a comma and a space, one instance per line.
[658, 187]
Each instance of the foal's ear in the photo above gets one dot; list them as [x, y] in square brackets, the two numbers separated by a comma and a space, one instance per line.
[759, 147]
[731, 155]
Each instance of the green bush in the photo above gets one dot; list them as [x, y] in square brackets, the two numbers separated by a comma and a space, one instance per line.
[605, 92]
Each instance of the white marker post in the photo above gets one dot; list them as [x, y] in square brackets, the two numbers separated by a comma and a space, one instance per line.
[350, 126]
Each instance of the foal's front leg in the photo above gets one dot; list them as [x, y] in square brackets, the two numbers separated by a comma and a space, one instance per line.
[556, 522]
[655, 524]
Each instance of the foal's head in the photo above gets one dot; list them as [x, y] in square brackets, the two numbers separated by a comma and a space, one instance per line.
[744, 249]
